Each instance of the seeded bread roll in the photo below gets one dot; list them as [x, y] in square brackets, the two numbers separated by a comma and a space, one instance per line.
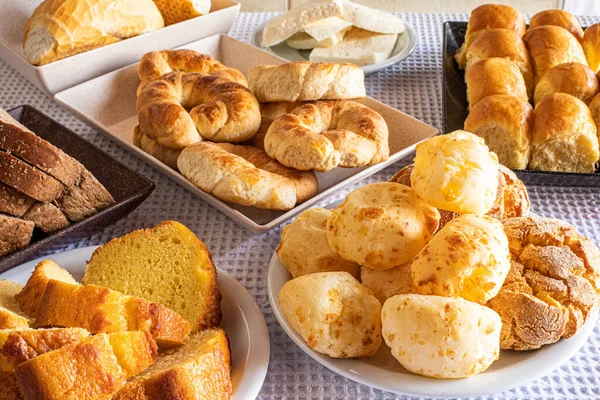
[561, 18]
[591, 47]
[494, 76]
[572, 78]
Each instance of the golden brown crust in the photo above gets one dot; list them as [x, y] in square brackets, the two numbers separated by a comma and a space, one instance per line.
[151, 146]
[516, 198]
[494, 76]
[561, 18]
[29, 180]
[10, 387]
[591, 46]
[572, 78]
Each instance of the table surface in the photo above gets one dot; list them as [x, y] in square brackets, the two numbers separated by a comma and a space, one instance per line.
[414, 87]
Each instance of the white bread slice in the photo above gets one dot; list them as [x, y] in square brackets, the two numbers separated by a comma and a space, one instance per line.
[359, 47]
[325, 28]
[303, 41]
[372, 20]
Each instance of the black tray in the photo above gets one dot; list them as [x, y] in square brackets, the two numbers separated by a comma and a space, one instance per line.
[128, 188]
[454, 113]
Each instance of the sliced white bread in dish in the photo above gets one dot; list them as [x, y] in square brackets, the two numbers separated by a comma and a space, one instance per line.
[327, 27]
[372, 20]
[303, 41]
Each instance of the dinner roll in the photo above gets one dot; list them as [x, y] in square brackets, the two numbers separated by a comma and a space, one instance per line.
[502, 43]
[494, 76]
[456, 172]
[572, 78]
[441, 337]
[595, 109]
[389, 282]
[506, 123]
[381, 225]
[550, 46]
[591, 46]
[333, 313]
[561, 18]
[303, 248]
[564, 135]
[515, 196]
[468, 258]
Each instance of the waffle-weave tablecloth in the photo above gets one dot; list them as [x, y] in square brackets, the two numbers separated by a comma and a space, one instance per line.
[414, 87]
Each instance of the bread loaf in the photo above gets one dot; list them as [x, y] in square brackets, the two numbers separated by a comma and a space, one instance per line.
[15, 234]
[591, 47]
[572, 78]
[174, 11]
[561, 18]
[29, 180]
[595, 109]
[46, 217]
[13, 202]
[10, 315]
[494, 76]
[85, 198]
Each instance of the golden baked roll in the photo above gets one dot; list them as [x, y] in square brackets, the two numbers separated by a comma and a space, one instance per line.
[549, 46]
[591, 46]
[595, 109]
[333, 313]
[456, 172]
[564, 136]
[494, 76]
[557, 17]
[441, 337]
[269, 112]
[381, 225]
[572, 78]
[389, 282]
[515, 196]
[506, 124]
[151, 146]
[502, 43]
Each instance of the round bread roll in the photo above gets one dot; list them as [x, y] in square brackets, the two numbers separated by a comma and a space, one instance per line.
[494, 76]
[564, 136]
[456, 172]
[515, 196]
[381, 225]
[506, 124]
[468, 258]
[595, 110]
[502, 43]
[591, 46]
[152, 147]
[550, 46]
[572, 78]
[388, 282]
[441, 337]
[333, 313]
[561, 18]
[303, 248]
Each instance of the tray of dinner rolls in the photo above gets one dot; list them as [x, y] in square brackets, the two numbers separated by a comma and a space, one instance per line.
[530, 90]
[255, 137]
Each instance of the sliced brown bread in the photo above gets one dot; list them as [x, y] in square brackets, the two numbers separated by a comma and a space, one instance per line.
[10, 315]
[46, 217]
[167, 264]
[13, 202]
[15, 233]
[85, 198]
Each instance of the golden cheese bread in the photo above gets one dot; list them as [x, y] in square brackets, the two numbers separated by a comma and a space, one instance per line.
[11, 317]
[388, 282]
[557, 17]
[494, 76]
[303, 80]
[591, 46]
[62, 28]
[151, 146]
[564, 135]
[174, 11]
[326, 134]
[572, 78]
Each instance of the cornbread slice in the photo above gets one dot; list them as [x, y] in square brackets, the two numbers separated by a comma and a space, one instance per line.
[166, 264]
[10, 316]
[10, 387]
[198, 370]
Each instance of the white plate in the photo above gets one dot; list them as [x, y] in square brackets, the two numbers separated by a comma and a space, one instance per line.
[52, 78]
[112, 109]
[383, 372]
[242, 320]
[405, 45]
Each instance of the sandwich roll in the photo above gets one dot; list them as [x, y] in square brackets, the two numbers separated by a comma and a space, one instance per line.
[561, 18]
[572, 78]
[591, 46]
[494, 76]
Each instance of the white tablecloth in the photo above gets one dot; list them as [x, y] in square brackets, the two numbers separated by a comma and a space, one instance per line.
[413, 87]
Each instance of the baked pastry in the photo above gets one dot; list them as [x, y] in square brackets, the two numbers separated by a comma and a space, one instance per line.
[502, 43]
[303, 80]
[389, 282]
[333, 313]
[505, 123]
[220, 109]
[441, 337]
[327, 134]
[595, 110]
[63, 28]
[549, 46]
[174, 11]
[444, 175]
[494, 76]
[15, 234]
[552, 286]
[151, 146]
[147, 263]
[381, 225]
[515, 196]
[269, 112]
[10, 315]
[572, 78]
[591, 46]
[564, 136]
[557, 17]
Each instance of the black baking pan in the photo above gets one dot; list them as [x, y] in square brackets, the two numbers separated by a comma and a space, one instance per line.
[128, 188]
[455, 111]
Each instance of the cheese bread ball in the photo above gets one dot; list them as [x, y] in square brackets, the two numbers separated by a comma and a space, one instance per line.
[388, 282]
[381, 225]
[303, 248]
[441, 337]
[456, 172]
[468, 257]
[333, 313]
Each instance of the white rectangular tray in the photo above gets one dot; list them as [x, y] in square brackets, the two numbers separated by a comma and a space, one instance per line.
[109, 103]
[70, 71]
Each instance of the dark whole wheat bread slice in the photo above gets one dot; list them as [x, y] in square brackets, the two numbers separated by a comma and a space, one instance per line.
[46, 217]
[84, 199]
[15, 233]
[13, 202]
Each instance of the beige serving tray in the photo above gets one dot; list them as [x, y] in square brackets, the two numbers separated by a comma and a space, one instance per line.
[109, 103]
[79, 68]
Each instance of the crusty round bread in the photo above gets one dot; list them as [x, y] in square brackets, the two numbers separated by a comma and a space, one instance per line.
[303, 80]
[502, 43]
[564, 135]
[515, 196]
[595, 109]
[221, 109]
[333, 313]
[381, 225]
[327, 134]
[389, 282]
[494, 76]
[591, 46]
[441, 337]
[456, 172]
[572, 78]
[152, 147]
[505, 123]
[549, 46]
[174, 11]
[557, 17]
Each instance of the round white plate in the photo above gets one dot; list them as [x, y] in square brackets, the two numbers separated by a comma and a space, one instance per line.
[242, 320]
[383, 372]
[405, 45]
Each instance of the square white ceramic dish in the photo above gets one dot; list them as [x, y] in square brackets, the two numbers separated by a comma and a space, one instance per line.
[70, 71]
[109, 103]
